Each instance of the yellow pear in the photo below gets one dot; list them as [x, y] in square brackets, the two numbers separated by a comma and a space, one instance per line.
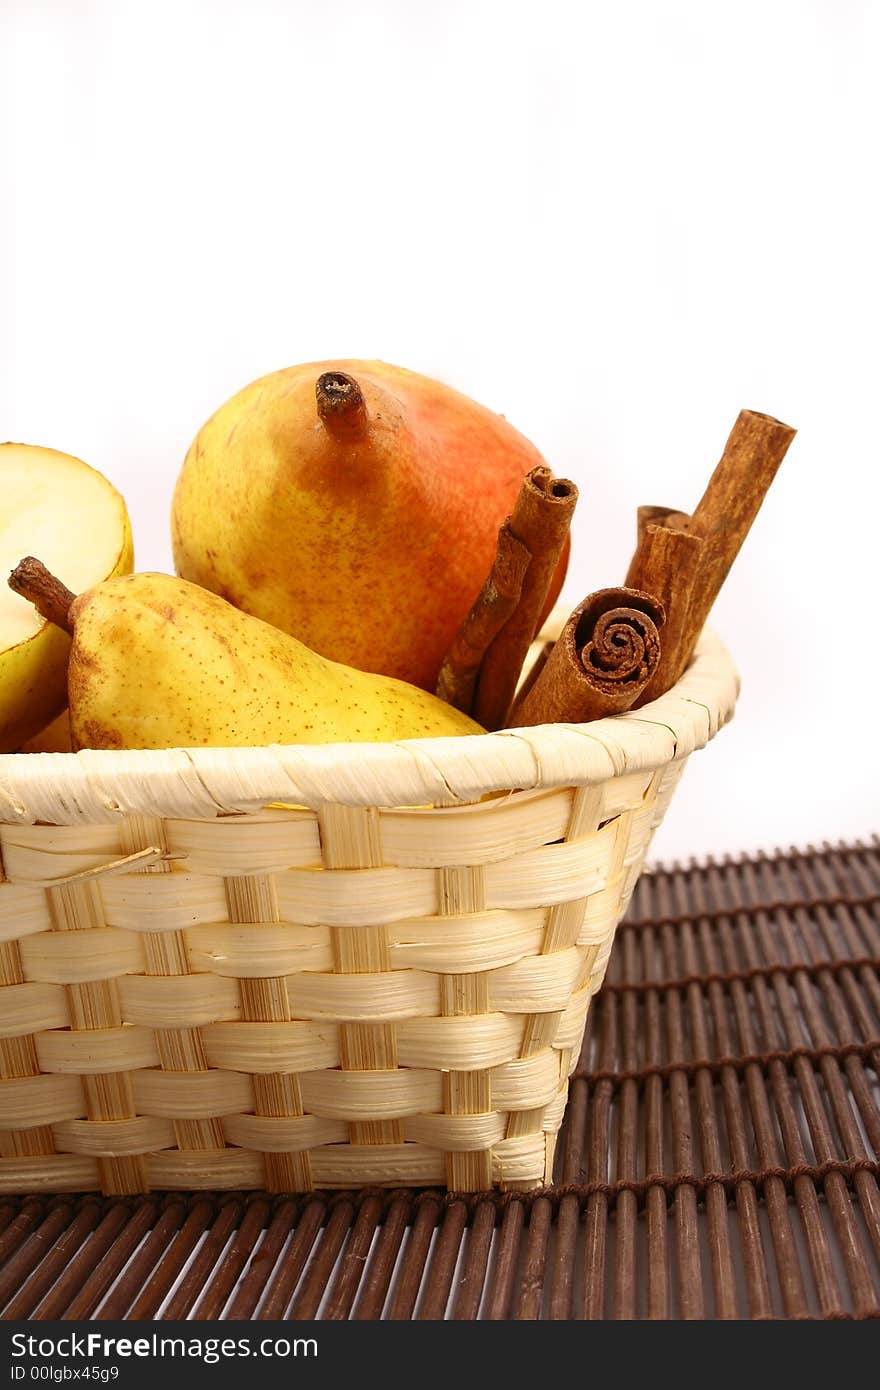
[157, 662]
[69, 514]
[55, 738]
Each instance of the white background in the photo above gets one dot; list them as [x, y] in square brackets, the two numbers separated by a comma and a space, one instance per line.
[615, 223]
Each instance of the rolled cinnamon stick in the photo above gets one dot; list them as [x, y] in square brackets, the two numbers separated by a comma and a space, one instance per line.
[658, 516]
[753, 452]
[604, 658]
[666, 564]
[687, 577]
[494, 605]
[542, 652]
[540, 521]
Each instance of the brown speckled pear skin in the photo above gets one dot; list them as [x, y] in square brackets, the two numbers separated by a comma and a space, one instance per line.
[157, 662]
[368, 543]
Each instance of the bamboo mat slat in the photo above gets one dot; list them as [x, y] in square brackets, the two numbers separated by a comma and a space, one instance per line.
[718, 1158]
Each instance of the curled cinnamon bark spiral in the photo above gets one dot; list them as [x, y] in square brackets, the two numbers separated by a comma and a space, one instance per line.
[623, 644]
[604, 658]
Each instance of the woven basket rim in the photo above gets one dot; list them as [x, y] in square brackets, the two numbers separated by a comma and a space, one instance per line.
[100, 785]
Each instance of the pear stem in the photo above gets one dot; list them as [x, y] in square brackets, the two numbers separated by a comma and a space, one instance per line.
[50, 597]
[341, 404]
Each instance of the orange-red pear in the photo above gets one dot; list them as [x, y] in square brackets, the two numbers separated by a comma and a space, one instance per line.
[355, 505]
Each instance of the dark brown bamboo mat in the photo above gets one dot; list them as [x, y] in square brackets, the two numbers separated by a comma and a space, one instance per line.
[719, 1157]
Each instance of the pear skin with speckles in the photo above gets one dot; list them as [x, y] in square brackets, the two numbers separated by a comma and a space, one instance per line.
[355, 505]
[157, 662]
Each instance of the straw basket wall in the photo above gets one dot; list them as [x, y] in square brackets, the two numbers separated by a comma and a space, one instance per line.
[326, 966]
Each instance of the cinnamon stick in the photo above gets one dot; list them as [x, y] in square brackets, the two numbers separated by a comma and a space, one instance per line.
[535, 669]
[540, 521]
[666, 564]
[659, 516]
[754, 450]
[665, 557]
[493, 606]
[604, 658]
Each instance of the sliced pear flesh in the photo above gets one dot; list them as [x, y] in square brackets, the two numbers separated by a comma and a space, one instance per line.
[57, 507]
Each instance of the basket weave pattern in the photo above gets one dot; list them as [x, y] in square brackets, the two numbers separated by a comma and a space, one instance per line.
[383, 980]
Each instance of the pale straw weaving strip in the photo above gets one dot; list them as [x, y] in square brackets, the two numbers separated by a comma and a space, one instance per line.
[253, 899]
[368, 1042]
[461, 892]
[178, 1041]
[76, 907]
[18, 1057]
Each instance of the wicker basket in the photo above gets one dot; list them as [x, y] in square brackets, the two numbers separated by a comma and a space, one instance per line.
[332, 966]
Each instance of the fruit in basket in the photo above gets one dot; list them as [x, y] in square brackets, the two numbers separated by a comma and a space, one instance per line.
[355, 505]
[157, 662]
[70, 514]
[55, 738]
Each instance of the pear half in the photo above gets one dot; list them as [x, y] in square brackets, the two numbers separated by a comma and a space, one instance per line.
[59, 508]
